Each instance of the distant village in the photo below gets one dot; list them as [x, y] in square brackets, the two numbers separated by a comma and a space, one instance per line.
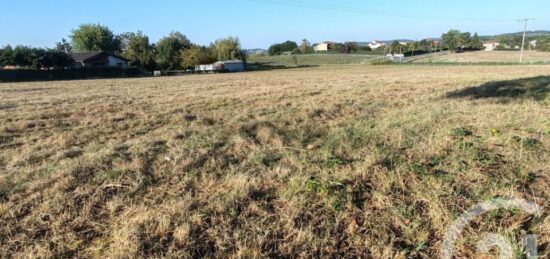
[404, 45]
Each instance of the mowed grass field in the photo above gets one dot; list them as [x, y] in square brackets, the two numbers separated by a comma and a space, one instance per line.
[490, 57]
[331, 161]
[270, 62]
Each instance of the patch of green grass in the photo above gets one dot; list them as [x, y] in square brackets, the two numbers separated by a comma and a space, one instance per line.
[532, 143]
[314, 186]
[334, 162]
[356, 135]
[268, 159]
[334, 192]
[8, 186]
[258, 62]
[200, 141]
[528, 143]
[486, 157]
[461, 132]
[109, 175]
[390, 161]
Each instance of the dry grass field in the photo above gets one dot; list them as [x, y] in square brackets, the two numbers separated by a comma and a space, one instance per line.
[332, 161]
[490, 56]
[259, 62]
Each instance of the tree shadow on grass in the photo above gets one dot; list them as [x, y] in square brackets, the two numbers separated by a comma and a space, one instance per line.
[536, 88]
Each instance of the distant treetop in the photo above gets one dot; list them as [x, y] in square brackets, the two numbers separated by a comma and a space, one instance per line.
[95, 37]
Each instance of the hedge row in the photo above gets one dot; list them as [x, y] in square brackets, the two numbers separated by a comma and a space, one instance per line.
[22, 75]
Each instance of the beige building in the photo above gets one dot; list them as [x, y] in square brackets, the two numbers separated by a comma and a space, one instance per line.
[323, 47]
[490, 45]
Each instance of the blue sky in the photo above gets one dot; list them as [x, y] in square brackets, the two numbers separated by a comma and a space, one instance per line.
[258, 23]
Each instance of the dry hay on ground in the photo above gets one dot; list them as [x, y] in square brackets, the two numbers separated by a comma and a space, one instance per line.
[317, 162]
[490, 57]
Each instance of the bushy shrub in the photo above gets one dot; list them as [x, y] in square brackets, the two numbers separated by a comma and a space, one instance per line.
[279, 48]
[21, 75]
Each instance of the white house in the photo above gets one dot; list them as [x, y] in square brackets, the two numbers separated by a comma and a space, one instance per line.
[98, 59]
[490, 45]
[376, 44]
[323, 47]
[533, 43]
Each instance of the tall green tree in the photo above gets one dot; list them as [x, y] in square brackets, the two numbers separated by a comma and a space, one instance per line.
[23, 56]
[543, 44]
[95, 37]
[34, 58]
[424, 45]
[6, 56]
[168, 50]
[412, 47]
[279, 48]
[516, 41]
[64, 46]
[476, 42]
[50, 58]
[197, 55]
[305, 46]
[395, 47]
[349, 47]
[228, 49]
[452, 39]
[464, 39]
[60, 59]
[138, 50]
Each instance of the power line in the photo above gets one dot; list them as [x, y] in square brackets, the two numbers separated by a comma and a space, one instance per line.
[348, 9]
[524, 21]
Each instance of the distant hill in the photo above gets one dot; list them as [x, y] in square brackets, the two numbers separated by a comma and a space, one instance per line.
[387, 42]
[255, 51]
[482, 37]
[400, 40]
[529, 33]
[513, 34]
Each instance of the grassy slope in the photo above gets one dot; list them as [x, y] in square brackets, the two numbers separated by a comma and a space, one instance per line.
[490, 56]
[328, 161]
[313, 59]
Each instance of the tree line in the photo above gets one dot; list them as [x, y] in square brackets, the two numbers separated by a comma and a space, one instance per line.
[34, 58]
[543, 43]
[305, 47]
[455, 40]
[515, 42]
[172, 52]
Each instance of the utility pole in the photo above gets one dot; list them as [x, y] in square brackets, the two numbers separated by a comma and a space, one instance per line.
[524, 21]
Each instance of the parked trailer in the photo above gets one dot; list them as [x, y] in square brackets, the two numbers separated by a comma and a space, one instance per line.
[205, 68]
[231, 65]
[222, 66]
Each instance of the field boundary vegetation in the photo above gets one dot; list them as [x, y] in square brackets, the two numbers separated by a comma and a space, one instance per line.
[23, 75]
